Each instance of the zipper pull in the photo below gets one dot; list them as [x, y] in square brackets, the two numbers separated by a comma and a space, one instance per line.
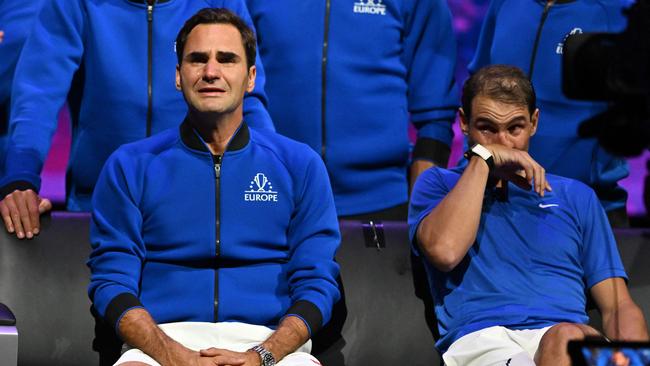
[217, 165]
[548, 5]
[150, 10]
[217, 170]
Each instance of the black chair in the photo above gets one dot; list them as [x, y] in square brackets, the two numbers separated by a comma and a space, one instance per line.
[43, 281]
[385, 323]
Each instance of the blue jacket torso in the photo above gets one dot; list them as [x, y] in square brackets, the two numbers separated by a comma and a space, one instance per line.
[508, 37]
[103, 45]
[244, 237]
[344, 77]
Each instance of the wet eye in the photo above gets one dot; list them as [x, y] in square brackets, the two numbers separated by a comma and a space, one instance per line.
[485, 129]
[515, 129]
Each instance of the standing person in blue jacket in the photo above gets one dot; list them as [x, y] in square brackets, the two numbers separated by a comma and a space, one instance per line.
[510, 250]
[224, 233]
[113, 58]
[530, 34]
[346, 77]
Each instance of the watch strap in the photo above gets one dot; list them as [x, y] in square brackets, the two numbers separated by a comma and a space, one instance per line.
[483, 153]
[265, 355]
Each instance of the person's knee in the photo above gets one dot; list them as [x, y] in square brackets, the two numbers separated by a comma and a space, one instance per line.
[562, 333]
[555, 340]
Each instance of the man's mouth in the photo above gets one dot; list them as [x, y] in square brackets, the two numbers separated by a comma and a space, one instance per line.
[210, 90]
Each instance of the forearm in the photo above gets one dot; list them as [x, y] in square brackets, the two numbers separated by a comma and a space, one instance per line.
[139, 330]
[447, 233]
[290, 334]
[625, 323]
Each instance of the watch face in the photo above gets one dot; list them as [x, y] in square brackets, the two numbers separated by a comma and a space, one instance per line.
[268, 360]
[481, 151]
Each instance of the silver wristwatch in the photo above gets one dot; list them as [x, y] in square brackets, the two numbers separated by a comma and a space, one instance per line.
[265, 355]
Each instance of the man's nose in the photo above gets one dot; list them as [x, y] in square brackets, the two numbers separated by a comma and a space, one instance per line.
[503, 139]
[212, 70]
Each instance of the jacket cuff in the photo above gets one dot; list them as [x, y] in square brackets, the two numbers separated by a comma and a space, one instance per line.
[308, 313]
[22, 165]
[432, 150]
[118, 307]
[21, 185]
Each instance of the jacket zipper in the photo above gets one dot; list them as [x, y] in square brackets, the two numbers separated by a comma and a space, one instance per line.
[547, 7]
[150, 4]
[217, 160]
[324, 78]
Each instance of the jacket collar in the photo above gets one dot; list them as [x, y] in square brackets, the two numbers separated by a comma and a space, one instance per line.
[192, 139]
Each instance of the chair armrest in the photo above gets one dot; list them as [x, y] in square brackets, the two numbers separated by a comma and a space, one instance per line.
[6, 316]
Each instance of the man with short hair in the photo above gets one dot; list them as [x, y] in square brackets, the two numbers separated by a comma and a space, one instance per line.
[107, 58]
[224, 233]
[511, 250]
[530, 34]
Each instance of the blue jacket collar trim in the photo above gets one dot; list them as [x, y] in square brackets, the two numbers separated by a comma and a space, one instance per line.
[192, 139]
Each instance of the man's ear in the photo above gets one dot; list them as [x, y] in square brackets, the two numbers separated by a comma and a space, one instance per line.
[464, 121]
[178, 77]
[534, 119]
[252, 74]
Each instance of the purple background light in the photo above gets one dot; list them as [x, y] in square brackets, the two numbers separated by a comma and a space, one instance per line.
[468, 17]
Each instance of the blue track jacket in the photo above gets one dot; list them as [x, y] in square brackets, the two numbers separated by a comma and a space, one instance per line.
[508, 37]
[345, 77]
[100, 47]
[249, 236]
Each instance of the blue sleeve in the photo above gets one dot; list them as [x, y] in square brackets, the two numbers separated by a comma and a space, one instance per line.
[16, 20]
[314, 239]
[429, 189]
[255, 102]
[118, 249]
[600, 257]
[430, 57]
[50, 57]
[482, 55]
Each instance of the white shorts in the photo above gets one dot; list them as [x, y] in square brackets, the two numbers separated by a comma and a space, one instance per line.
[495, 346]
[233, 336]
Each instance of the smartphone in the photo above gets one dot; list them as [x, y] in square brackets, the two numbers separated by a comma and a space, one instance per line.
[605, 353]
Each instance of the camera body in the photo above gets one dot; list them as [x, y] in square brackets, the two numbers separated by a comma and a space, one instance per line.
[614, 68]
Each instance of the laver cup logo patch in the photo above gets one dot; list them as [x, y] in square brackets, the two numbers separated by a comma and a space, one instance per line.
[370, 7]
[559, 49]
[260, 190]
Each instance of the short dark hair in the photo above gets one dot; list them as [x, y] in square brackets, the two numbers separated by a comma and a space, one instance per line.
[504, 83]
[218, 16]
